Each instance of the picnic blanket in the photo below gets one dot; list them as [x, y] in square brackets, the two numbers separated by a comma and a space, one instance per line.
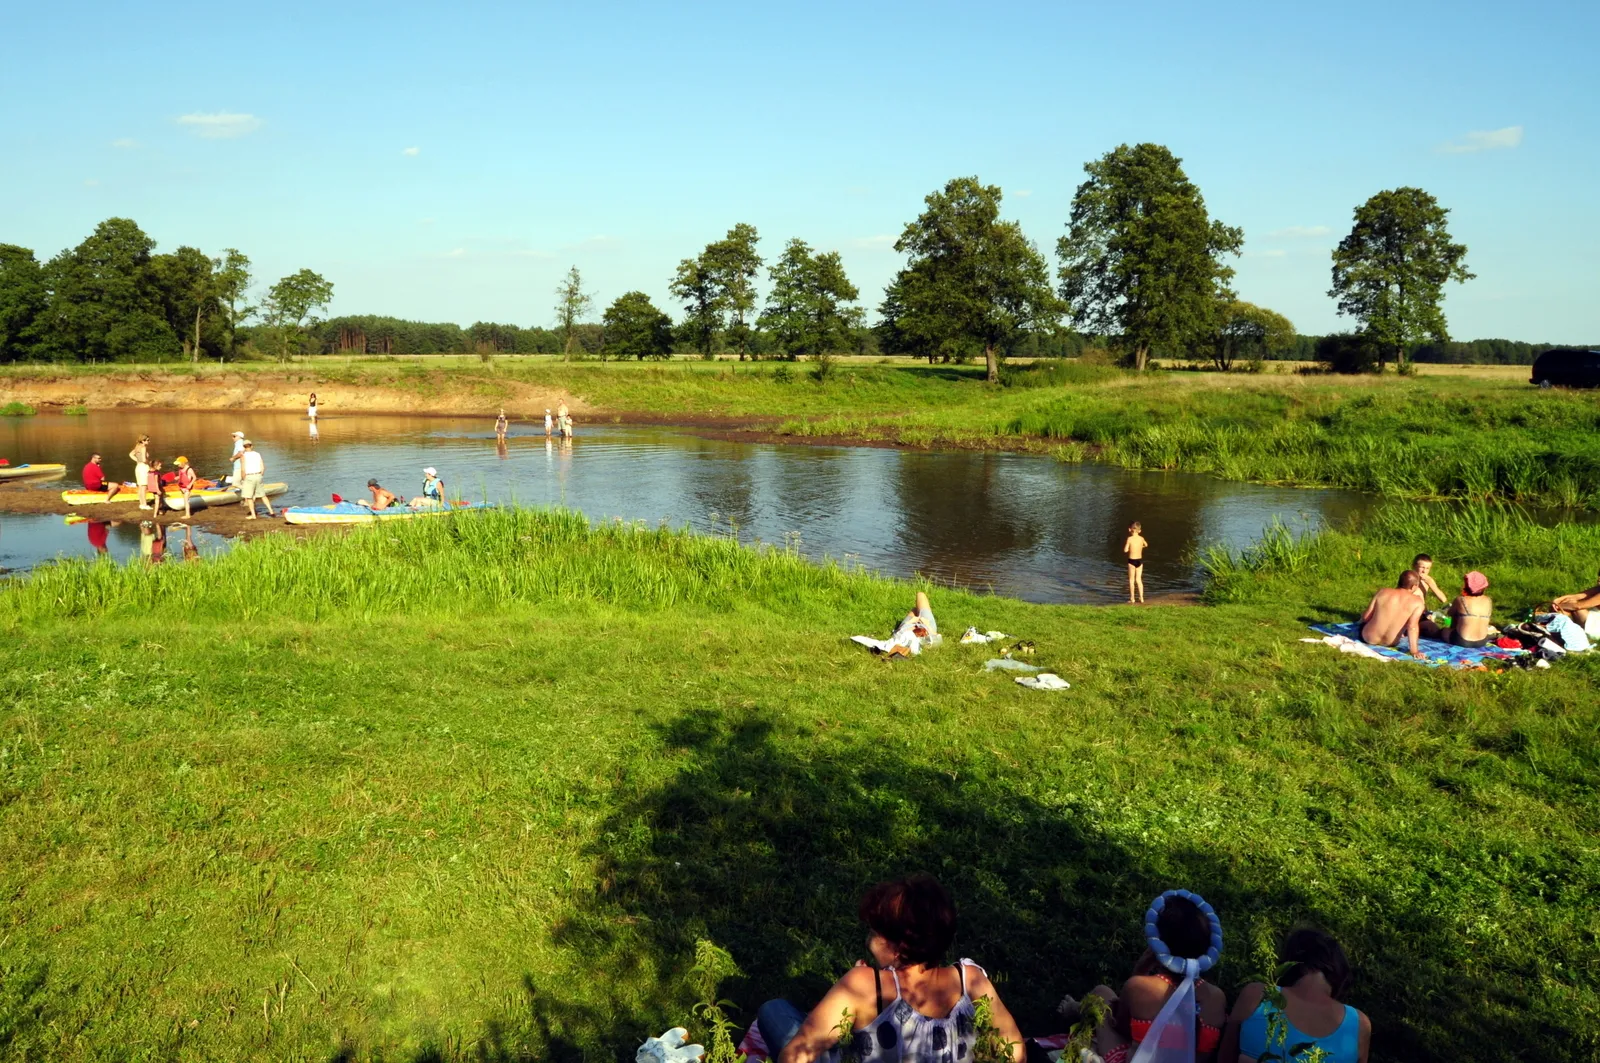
[1347, 637]
[754, 1047]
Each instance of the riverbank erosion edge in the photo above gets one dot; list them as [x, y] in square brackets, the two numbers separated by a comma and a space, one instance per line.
[416, 785]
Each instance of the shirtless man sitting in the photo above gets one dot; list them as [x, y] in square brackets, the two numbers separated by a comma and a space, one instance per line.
[1583, 608]
[1394, 611]
[381, 498]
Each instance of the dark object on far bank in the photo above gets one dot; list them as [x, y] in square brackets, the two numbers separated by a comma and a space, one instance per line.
[1567, 368]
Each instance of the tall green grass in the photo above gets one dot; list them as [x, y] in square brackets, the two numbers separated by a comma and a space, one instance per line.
[462, 563]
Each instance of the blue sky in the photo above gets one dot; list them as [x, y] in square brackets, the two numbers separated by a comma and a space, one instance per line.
[449, 162]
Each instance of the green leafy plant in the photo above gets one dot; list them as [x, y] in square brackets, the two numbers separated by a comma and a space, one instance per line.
[17, 409]
[712, 966]
[1093, 1012]
[991, 1045]
[78, 410]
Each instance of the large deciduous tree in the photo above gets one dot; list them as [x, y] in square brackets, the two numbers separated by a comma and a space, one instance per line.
[1390, 272]
[290, 308]
[572, 306]
[970, 278]
[22, 302]
[233, 280]
[808, 309]
[636, 328]
[1245, 330]
[189, 290]
[1142, 260]
[105, 300]
[695, 287]
[733, 264]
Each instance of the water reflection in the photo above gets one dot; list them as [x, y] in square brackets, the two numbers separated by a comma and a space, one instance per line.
[1017, 524]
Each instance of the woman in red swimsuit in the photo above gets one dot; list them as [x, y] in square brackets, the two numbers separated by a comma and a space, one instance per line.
[1187, 933]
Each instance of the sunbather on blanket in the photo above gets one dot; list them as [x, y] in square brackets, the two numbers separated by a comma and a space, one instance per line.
[1583, 608]
[1392, 612]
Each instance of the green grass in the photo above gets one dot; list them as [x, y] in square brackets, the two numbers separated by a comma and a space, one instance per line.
[474, 789]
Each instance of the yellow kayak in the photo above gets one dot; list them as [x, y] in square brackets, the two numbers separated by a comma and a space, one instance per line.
[14, 472]
[211, 496]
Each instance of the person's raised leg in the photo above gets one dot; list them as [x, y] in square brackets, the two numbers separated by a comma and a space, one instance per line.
[778, 1020]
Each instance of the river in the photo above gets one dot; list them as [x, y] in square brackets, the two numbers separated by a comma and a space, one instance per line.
[1013, 524]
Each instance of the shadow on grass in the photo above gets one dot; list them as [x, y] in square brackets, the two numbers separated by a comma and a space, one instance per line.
[765, 842]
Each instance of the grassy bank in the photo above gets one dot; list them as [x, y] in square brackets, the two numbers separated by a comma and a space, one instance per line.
[473, 788]
[1438, 436]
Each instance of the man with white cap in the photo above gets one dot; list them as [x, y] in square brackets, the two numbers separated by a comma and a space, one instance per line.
[238, 449]
[254, 468]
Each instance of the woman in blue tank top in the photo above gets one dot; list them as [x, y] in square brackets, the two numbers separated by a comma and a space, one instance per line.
[908, 1007]
[1317, 975]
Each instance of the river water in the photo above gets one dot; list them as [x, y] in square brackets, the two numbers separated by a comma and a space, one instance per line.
[1019, 525]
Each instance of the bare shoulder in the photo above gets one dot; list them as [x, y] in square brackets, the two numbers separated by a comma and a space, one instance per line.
[978, 984]
[1145, 992]
[858, 981]
[1250, 998]
[1210, 995]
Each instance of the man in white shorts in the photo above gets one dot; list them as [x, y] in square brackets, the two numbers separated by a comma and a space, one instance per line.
[253, 468]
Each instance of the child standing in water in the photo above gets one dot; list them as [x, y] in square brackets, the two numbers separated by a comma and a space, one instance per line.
[1134, 548]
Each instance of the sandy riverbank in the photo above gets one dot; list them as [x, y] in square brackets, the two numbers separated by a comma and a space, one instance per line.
[409, 391]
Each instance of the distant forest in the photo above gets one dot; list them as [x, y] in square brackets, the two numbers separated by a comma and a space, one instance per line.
[374, 334]
[113, 299]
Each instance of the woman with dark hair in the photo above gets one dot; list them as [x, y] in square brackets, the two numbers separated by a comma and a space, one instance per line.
[1186, 932]
[908, 1006]
[1316, 974]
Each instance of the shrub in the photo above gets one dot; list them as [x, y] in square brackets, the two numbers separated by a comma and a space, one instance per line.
[17, 409]
[1347, 352]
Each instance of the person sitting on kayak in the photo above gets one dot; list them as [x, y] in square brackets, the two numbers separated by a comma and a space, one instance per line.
[432, 490]
[381, 499]
[94, 478]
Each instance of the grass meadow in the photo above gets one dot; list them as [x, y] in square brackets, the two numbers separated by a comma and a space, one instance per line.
[474, 788]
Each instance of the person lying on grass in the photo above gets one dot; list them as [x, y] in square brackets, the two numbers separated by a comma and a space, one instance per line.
[1315, 975]
[1583, 608]
[1184, 929]
[1392, 612]
[907, 1006]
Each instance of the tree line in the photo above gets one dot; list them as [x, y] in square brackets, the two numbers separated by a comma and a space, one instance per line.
[1142, 270]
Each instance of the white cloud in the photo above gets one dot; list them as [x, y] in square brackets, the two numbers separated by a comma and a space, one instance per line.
[125, 142]
[91, 182]
[1271, 252]
[412, 152]
[1023, 193]
[1296, 232]
[1485, 140]
[881, 242]
[459, 252]
[220, 125]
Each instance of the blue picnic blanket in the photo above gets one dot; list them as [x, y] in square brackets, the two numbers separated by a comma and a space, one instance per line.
[1435, 653]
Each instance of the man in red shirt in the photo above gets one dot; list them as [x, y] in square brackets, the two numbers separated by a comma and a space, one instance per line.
[94, 478]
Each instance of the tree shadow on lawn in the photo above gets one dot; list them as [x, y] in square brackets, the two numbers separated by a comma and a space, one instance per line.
[765, 848]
